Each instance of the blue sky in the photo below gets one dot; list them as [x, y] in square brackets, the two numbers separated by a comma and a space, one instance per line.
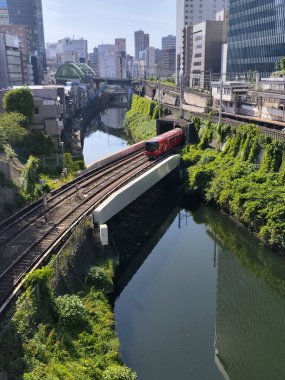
[104, 20]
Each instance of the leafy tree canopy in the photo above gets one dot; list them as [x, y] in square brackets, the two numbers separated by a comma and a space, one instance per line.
[20, 100]
[11, 128]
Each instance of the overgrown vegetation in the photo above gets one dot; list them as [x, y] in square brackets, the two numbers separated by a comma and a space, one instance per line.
[66, 337]
[140, 120]
[20, 100]
[238, 181]
[11, 128]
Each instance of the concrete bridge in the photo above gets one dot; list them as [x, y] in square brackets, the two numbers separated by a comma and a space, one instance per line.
[131, 191]
[113, 81]
[30, 237]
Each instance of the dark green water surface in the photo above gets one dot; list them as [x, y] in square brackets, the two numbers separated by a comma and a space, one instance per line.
[198, 297]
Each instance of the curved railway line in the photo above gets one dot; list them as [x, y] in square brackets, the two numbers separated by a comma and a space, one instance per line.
[29, 237]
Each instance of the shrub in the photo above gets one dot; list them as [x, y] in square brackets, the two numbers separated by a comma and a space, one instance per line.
[98, 276]
[30, 176]
[37, 144]
[12, 128]
[116, 372]
[70, 310]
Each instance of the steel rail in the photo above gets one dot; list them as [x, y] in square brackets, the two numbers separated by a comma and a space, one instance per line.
[24, 212]
[39, 210]
[17, 270]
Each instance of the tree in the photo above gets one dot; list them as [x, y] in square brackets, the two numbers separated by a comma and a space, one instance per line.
[11, 128]
[20, 100]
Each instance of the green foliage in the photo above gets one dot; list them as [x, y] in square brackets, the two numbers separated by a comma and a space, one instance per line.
[36, 304]
[98, 276]
[71, 338]
[206, 135]
[20, 100]
[72, 165]
[30, 176]
[118, 373]
[140, 120]
[37, 144]
[254, 195]
[12, 128]
[70, 310]
[282, 64]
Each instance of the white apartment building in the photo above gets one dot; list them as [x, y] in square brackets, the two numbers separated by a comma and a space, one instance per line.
[150, 61]
[107, 61]
[112, 62]
[71, 50]
[192, 12]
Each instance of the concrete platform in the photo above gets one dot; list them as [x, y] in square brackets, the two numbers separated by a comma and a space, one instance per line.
[127, 194]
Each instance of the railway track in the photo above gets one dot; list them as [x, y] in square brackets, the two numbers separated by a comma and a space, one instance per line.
[32, 241]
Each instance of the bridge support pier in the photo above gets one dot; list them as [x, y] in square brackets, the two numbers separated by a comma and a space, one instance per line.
[104, 234]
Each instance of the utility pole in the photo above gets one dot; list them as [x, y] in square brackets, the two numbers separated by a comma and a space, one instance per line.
[181, 93]
[221, 100]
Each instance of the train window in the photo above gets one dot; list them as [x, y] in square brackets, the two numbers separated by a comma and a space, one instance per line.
[151, 146]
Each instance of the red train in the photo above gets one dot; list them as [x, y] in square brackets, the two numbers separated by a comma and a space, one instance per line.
[163, 143]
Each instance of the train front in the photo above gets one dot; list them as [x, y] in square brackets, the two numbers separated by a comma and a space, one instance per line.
[151, 149]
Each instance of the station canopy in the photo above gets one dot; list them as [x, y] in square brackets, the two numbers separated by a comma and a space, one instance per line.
[79, 72]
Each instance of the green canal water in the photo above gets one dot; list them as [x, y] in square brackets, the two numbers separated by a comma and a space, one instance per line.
[198, 297]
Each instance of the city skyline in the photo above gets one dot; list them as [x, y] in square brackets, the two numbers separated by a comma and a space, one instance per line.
[108, 19]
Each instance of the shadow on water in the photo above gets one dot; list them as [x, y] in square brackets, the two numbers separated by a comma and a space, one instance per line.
[139, 227]
[241, 315]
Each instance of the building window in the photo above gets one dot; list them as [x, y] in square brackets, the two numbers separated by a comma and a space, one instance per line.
[37, 111]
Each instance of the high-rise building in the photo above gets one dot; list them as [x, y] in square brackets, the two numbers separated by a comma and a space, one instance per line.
[141, 42]
[107, 60]
[120, 45]
[208, 39]
[23, 33]
[168, 42]
[256, 36]
[189, 12]
[150, 61]
[51, 51]
[168, 62]
[29, 12]
[4, 15]
[72, 50]
[112, 60]
[94, 60]
[10, 61]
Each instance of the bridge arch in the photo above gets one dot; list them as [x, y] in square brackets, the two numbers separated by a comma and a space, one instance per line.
[69, 72]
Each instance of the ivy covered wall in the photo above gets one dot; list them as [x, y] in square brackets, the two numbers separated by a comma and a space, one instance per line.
[244, 175]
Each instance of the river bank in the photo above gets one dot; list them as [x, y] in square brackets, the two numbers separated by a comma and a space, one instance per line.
[239, 170]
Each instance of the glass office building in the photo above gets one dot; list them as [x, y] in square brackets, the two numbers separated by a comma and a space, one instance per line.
[256, 37]
[29, 12]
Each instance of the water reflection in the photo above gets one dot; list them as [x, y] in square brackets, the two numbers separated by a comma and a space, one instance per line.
[166, 311]
[200, 298]
[104, 135]
[113, 117]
